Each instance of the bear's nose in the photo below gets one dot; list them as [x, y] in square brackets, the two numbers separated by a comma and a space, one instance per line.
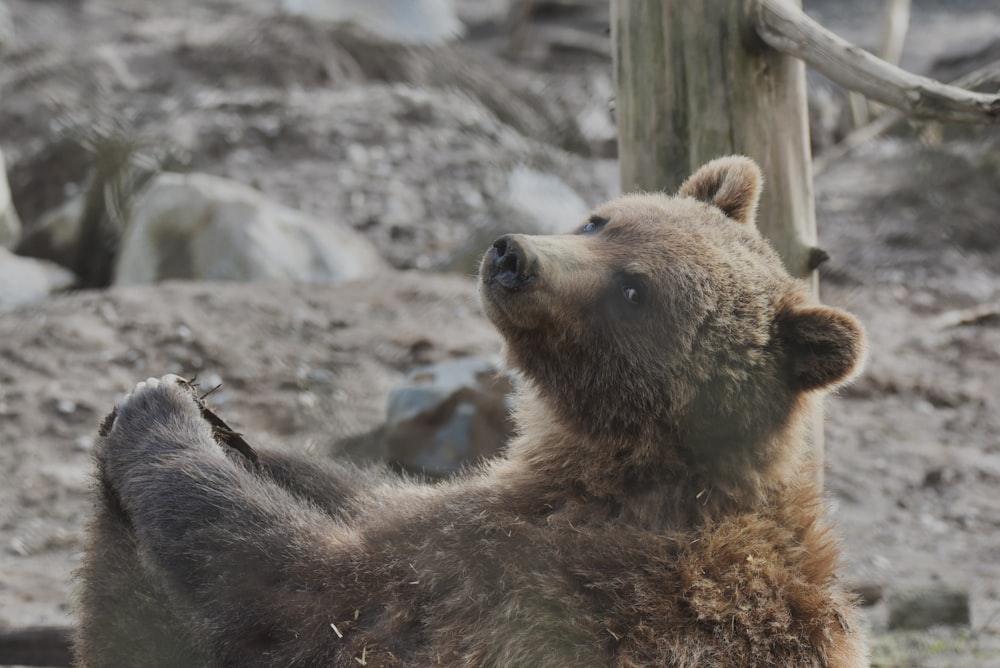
[511, 262]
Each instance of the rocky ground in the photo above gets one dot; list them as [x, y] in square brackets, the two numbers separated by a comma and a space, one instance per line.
[427, 154]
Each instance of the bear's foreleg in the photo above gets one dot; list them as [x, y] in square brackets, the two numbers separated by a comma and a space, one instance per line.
[332, 486]
[234, 558]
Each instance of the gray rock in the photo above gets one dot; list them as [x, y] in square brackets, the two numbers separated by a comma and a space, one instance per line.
[595, 118]
[10, 224]
[197, 226]
[532, 202]
[6, 29]
[932, 606]
[541, 202]
[402, 21]
[56, 235]
[25, 280]
[446, 415]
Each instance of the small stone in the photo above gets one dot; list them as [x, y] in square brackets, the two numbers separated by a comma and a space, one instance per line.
[446, 415]
[319, 377]
[881, 562]
[66, 406]
[868, 593]
[357, 154]
[921, 609]
[307, 400]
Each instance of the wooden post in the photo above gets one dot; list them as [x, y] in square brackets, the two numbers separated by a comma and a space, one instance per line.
[693, 82]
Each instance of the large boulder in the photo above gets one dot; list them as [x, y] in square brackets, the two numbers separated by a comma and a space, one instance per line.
[25, 280]
[197, 226]
[10, 224]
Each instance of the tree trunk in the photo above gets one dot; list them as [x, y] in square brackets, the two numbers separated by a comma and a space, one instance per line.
[693, 82]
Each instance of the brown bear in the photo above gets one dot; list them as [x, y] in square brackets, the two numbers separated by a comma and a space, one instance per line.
[656, 507]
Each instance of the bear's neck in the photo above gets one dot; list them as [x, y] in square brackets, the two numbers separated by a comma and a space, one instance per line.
[649, 474]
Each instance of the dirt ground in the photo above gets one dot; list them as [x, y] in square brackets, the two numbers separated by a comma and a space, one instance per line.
[912, 448]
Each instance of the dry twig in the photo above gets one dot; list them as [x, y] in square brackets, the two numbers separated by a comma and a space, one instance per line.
[988, 74]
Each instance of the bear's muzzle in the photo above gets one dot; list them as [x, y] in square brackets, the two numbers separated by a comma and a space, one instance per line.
[509, 263]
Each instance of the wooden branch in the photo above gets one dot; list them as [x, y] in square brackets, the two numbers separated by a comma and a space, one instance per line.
[784, 27]
[895, 23]
[987, 75]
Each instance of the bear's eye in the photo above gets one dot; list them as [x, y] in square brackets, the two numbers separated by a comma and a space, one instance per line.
[634, 288]
[594, 224]
[632, 294]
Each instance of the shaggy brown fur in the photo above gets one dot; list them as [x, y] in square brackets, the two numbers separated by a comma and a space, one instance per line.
[655, 509]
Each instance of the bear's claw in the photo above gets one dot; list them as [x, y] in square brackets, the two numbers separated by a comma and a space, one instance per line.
[142, 392]
[170, 384]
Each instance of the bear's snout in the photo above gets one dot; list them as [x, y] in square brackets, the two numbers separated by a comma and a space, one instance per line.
[510, 262]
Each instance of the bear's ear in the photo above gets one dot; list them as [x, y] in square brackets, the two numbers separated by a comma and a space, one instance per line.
[732, 184]
[825, 346]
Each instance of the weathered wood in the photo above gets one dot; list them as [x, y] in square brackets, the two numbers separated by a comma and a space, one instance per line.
[895, 24]
[784, 27]
[693, 82]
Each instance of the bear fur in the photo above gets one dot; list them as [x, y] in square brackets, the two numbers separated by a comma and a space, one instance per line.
[657, 506]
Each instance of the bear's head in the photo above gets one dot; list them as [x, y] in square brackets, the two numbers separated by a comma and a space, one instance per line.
[665, 338]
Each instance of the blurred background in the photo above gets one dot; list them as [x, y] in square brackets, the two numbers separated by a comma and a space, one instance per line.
[290, 197]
